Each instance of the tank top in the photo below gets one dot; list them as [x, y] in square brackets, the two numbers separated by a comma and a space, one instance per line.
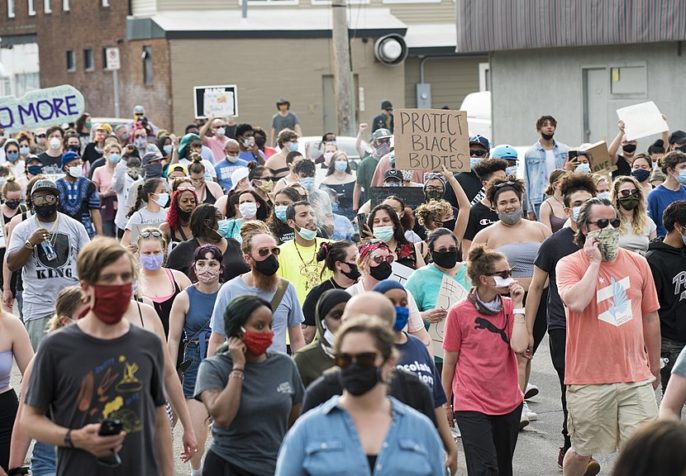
[556, 223]
[209, 198]
[163, 304]
[197, 323]
[6, 358]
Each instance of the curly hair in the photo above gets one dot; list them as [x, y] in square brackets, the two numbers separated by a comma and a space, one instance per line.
[573, 182]
[432, 212]
[497, 186]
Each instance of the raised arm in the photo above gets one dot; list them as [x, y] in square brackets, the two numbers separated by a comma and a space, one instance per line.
[462, 203]
[616, 142]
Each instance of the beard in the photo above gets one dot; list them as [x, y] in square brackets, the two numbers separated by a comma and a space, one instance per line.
[263, 282]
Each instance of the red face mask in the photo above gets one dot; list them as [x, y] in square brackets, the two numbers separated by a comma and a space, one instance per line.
[257, 343]
[111, 301]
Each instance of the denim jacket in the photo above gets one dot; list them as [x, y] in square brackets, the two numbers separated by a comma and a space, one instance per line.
[324, 441]
[536, 173]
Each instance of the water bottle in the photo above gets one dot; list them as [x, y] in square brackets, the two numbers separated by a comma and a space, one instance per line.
[48, 250]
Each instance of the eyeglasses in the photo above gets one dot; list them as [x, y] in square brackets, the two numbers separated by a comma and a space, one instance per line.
[383, 259]
[603, 222]
[46, 200]
[628, 193]
[41, 136]
[148, 233]
[264, 252]
[477, 152]
[506, 273]
[363, 359]
[268, 179]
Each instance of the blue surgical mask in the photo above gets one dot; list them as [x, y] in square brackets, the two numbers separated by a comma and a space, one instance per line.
[583, 169]
[575, 214]
[307, 183]
[341, 166]
[682, 176]
[34, 169]
[115, 158]
[683, 238]
[168, 149]
[334, 207]
[162, 199]
[12, 156]
[24, 150]
[383, 233]
[223, 227]
[307, 234]
[280, 212]
[402, 314]
[511, 170]
[292, 146]
[473, 161]
[605, 195]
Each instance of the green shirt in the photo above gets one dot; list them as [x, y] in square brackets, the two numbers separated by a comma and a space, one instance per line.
[365, 172]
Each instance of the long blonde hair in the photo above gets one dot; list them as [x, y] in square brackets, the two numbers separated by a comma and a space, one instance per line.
[639, 216]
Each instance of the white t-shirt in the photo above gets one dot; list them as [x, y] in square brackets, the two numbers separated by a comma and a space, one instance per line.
[638, 243]
[550, 161]
[144, 218]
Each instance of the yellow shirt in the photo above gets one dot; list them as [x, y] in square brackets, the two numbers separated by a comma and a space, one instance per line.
[298, 264]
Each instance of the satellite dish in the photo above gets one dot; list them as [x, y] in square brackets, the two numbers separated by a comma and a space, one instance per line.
[391, 49]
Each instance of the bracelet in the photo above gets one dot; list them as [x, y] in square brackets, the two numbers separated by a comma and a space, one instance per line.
[519, 310]
[238, 375]
[18, 470]
[238, 369]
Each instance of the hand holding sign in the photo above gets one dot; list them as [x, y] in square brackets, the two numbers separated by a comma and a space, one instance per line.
[430, 139]
[642, 120]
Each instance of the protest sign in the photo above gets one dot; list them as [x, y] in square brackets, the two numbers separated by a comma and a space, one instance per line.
[642, 120]
[449, 294]
[412, 196]
[430, 138]
[216, 101]
[600, 158]
[401, 273]
[41, 108]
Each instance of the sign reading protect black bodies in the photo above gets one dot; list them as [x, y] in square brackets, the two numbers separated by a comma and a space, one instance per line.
[427, 139]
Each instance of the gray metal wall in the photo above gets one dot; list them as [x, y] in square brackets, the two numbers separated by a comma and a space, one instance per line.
[526, 84]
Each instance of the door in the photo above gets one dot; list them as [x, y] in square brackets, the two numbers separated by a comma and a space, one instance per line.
[329, 116]
[595, 81]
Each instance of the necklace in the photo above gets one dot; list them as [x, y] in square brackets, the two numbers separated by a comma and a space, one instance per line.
[310, 270]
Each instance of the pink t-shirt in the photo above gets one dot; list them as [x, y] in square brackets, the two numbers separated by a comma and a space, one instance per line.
[216, 145]
[486, 371]
[102, 178]
[605, 342]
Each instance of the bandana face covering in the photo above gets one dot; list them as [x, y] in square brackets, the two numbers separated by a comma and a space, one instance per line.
[257, 343]
[111, 301]
[608, 242]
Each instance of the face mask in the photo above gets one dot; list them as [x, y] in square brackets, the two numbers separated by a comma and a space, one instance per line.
[575, 214]
[140, 142]
[220, 131]
[260, 141]
[402, 314]
[328, 335]
[168, 149]
[266, 186]
[381, 272]
[547, 136]
[13, 204]
[682, 176]
[75, 172]
[307, 234]
[683, 239]
[257, 343]
[34, 169]
[133, 172]
[640, 174]
[433, 195]
[76, 148]
[280, 212]
[152, 262]
[582, 169]
[383, 233]
[501, 282]
[115, 158]
[445, 259]
[207, 275]
[232, 158]
[382, 150]
[511, 170]
[45, 211]
[246, 143]
[162, 199]
[629, 203]
[334, 207]
[12, 156]
[354, 272]
[358, 380]
[292, 146]
[340, 166]
[327, 156]
[184, 215]
[87, 124]
[608, 241]
[223, 227]
[55, 143]
[307, 183]
[391, 160]
[25, 150]
[474, 161]
[267, 266]
[152, 170]
[629, 148]
[248, 210]
[604, 195]
[511, 218]
[111, 301]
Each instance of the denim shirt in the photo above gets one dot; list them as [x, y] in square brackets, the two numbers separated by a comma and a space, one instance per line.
[536, 172]
[324, 441]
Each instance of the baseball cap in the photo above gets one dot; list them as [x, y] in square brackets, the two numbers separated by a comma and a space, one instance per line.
[68, 156]
[381, 134]
[504, 151]
[45, 185]
[176, 168]
[103, 127]
[150, 156]
[393, 174]
[238, 175]
[138, 109]
[481, 140]
[386, 104]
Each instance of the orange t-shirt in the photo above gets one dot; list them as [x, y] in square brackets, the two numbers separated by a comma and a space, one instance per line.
[605, 342]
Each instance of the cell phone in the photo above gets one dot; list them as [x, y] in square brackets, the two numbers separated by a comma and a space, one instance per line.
[110, 427]
[361, 220]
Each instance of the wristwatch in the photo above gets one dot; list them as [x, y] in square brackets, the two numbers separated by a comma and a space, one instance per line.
[519, 310]
[67, 439]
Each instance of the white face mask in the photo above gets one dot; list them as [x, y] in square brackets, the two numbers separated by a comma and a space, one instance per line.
[220, 131]
[502, 282]
[55, 143]
[248, 209]
[75, 172]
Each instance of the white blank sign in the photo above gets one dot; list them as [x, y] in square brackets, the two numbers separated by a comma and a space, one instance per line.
[642, 120]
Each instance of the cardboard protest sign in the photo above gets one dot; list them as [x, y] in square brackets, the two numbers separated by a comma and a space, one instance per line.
[449, 294]
[412, 196]
[642, 120]
[41, 108]
[600, 158]
[429, 138]
[217, 101]
[401, 273]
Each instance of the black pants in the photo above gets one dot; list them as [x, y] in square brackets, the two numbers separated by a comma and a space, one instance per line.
[8, 412]
[670, 350]
[557, 339]
[489, 441]
[217, 466]
[541, 322]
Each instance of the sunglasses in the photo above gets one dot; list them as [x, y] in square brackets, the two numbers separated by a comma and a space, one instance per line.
[628, 193]
[363, 359]
[603, 222]
[509, 183]
[477, 152]
[383, 259]
[506, 273]
[263, 252]
[47, 200]
[41, 136]
[149, 233]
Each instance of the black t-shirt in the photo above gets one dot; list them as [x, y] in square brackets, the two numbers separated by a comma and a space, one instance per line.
[471, 184]
[313, 296]
[553, 249]
[480, 216]
[404, 386]
[623, 167]
[91, 153]
[52, 162]
[181, 258]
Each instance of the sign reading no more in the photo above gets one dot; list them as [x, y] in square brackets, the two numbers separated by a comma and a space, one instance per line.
[41, 108]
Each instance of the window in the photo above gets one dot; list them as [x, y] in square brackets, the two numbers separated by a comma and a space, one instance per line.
[71, 61]
[88, 60]
[147, 65]
[65, 5]
[32, 10]
[628, 80]
[105, 3]
[10, 8]
[272, 2]
[47, 6]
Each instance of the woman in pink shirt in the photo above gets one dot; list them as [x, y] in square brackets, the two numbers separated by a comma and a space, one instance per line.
[102, 178]
[482, 335]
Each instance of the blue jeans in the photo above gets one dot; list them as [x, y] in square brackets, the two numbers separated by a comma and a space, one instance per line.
[192, 353]
[43, 460]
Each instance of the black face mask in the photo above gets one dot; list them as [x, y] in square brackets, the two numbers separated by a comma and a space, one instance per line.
[74, 148]
[353, 274]
[547, 136]
[629, 148]
[268, 266]
[640, 174]
[184, 216]
[381, 272]
[45, 211]
[13, 204]
[260, 141]
[433, 195]
[444, 259]
[359, 380]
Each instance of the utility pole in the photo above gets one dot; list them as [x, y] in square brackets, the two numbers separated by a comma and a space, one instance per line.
[343, 77]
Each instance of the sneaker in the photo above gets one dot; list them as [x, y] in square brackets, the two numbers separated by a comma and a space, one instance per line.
[523, 420]
[531, 391]
[593, 468]
[531, 416]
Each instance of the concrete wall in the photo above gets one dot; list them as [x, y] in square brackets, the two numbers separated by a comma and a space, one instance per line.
[451, 80]
[529, 83]
[290, 68]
